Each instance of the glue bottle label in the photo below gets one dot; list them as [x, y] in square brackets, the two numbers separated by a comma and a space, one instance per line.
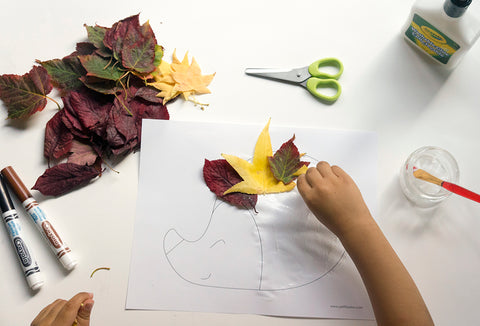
[432, 41]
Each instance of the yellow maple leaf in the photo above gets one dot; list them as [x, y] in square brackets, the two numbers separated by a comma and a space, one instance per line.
[180, 77]
[257, 176]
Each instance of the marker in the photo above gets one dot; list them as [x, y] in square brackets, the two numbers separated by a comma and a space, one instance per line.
[60, 249]
[10, 217]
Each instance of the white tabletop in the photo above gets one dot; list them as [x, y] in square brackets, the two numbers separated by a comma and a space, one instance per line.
[387, 88]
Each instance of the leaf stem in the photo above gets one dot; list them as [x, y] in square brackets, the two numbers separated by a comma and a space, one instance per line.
[51, 99]
[108, 64]
[100, 268]
[124, 106]
[110, 167]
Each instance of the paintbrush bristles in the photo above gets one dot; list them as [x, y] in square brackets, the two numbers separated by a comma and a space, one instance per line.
[424, 175]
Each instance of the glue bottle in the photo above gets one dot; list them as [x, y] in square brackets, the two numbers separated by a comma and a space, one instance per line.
[443, 33]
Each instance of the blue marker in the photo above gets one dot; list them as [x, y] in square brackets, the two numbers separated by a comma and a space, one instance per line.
[10, 217]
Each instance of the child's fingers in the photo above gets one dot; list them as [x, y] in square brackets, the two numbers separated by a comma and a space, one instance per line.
[302, 185]
[324, 169]
[83, 316]
[338, 171]
[313, 176]
[48, 313]
[70, 309]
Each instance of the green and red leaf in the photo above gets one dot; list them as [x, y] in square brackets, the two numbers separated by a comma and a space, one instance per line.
[97, 66]
[138, 52]
[115, 35]
[65, 73]
[134, 45]
[24, 95]
[96, 34]
[286, 162]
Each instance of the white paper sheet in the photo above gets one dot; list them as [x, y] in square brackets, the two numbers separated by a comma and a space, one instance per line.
[193, 252]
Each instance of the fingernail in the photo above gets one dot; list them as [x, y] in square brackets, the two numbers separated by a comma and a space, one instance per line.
[88, 307]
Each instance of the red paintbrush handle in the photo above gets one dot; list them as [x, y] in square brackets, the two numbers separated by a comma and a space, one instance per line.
[461, 191]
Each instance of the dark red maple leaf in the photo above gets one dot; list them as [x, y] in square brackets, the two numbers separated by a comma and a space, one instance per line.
[64, 177]
[219, 176]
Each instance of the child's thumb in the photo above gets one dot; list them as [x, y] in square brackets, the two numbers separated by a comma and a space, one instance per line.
[83, 316]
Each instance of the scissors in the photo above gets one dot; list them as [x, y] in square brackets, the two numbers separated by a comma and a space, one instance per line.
[311, 77]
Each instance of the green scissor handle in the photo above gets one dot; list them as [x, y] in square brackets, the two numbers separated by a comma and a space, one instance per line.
[314, 83]
[322, 79]
[314, 68]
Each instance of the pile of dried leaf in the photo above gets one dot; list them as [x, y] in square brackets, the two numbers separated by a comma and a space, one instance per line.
[238, 181]
[107, 85]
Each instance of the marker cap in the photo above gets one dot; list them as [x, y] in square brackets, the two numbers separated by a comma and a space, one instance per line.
[68, 261]
[35, 281]
[16, 183]
[6, 203]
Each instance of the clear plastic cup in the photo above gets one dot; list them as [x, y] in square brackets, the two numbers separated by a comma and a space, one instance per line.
[436, 161]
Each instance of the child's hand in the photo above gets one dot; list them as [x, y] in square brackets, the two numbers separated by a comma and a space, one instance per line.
[334, 198]
[76, 311]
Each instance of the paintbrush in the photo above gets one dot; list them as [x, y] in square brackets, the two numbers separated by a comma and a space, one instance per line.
[425, 176]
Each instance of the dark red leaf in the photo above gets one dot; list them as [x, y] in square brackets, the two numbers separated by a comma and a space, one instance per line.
[64, 177]
[220, 176]
[70, 119]
[58, 138]
[148, 110]
[125, 120]
[122, 135]
[149, 94]
[82, 154]
[90, 107]
[84, 48]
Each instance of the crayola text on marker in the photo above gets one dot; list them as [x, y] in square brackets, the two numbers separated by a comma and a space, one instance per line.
[10, 217]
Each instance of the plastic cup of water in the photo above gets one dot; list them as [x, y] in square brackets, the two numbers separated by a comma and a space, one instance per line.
[436, 161]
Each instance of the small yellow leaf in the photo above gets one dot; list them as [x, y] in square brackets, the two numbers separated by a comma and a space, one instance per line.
[180, 77]
[257, 176]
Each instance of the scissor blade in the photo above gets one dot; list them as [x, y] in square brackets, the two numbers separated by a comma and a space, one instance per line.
[291, 75]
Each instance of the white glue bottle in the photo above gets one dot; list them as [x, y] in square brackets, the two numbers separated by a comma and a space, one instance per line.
[443, 33]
